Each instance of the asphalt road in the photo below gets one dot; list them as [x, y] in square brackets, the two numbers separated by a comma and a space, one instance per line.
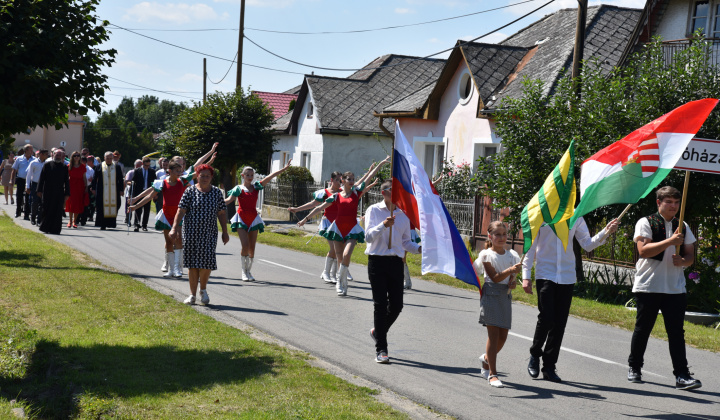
[435, 344]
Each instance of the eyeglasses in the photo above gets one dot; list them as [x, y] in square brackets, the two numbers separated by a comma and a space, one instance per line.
[387, 189]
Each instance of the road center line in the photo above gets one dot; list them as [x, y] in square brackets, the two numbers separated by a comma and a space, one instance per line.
[589, 356]
[283, 266]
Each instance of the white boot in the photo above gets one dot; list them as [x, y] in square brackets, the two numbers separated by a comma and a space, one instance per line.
[325, 276]
[165, 264]
[243, 275]
[408, 282]
[333, 271]
[178, 263]
[349, 277]
[249, 266]
[341, 286]
[170, 262]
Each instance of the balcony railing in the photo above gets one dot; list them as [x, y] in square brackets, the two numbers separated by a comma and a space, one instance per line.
[671, 48]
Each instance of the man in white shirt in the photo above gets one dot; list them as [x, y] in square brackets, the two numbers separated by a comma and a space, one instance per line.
[18, 176]
[555, 278]
[385, 265]
[660, 285]
[33, 177]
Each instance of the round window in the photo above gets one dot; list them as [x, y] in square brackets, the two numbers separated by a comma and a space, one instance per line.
[465, 88]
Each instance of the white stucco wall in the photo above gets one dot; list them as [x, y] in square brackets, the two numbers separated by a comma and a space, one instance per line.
[675, 20]
[329, 152]
[463, 134]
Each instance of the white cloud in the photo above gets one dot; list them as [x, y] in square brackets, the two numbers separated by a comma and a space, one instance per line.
[190, 77]
[433, 40]
[403, 10]
[177, 13]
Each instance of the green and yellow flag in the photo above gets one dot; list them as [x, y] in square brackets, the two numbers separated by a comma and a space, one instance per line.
[554, 204]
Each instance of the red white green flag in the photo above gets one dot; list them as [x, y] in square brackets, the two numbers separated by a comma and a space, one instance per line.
[627, 170]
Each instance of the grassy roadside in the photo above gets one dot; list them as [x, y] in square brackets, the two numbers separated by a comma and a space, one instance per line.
[82, 342]
[697, 336]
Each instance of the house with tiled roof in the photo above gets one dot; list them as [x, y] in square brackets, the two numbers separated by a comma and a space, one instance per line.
[332, 127]
[279, 103]
[675, 21]
[452, 117]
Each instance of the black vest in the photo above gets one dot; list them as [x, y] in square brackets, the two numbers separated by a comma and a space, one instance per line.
[657, 225]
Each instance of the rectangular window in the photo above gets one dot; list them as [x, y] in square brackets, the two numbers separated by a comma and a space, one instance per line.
[716, 22]
[490, 151]
[700, 16]
[310, 110]
[305, 160]
[434, 158]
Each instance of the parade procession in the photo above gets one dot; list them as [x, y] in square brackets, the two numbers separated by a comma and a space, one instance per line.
[526, 223]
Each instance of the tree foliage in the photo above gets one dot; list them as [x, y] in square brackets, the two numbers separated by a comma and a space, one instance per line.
[50, 62]
[132, 127]
[536, 130]
[238, 120]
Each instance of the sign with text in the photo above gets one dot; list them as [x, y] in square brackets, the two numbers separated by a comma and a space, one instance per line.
[701, 155]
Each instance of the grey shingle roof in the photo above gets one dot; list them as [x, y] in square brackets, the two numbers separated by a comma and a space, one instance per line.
[491, 65]
[347, 105]
[608, 31]
[411, 102]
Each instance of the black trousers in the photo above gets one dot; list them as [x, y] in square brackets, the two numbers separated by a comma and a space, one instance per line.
[554, 304]
[386, 280]
[143, 213]
[20, 197]
[673, 310]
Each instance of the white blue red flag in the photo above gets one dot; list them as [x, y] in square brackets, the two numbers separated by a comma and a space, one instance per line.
[443, 250]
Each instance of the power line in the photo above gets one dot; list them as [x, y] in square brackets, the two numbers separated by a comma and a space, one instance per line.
[404, 62]
[384, 28]
[173, 91]
[202, 53]
[330, 68]
[226, 73]
[151, 89]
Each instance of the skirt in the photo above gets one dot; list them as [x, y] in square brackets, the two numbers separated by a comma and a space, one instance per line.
[238, 223]
[496, 305]
[323, 227]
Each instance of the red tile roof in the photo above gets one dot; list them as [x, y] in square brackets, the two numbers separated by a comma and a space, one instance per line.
[278, 102]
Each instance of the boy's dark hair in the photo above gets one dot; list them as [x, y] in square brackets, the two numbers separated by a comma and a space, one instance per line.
[146, 159]
[668, 192]
[387, 184]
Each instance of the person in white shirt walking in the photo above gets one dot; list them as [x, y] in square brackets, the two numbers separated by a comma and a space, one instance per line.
[385, 265]
[660, 285]
[18, 175]
[555, 279]
[33, 177]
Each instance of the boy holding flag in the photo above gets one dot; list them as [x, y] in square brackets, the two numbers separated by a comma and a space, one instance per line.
[660, 285]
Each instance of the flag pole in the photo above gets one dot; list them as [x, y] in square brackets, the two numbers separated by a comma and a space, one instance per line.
[392, 208]
[623, 212]
[682, 208]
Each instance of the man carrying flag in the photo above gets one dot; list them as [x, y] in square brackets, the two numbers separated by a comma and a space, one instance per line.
[547, 236]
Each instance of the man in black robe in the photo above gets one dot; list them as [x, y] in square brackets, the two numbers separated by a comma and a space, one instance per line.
[54, 190]
[107, 185]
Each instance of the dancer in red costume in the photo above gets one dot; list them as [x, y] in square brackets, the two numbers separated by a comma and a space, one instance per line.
[172, 188]
[247, 222]
[329, 274]
[78, 185]
[345, 232]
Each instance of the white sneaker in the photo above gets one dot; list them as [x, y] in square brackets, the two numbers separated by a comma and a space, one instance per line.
[495, 384]
[204, 298]
[190, 300]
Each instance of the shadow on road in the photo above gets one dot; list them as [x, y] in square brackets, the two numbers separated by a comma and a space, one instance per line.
[465, 371]
[239, 309]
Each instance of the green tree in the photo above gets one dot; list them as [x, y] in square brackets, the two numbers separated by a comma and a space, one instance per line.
[50, 62]
[537, 129]
[238, 120]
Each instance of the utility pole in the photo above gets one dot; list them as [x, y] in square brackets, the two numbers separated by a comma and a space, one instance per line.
[238, 82]
[579, 44]
[204, 79]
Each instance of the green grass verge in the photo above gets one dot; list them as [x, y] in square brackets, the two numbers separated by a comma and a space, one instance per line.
[82, 342]
[696, 335]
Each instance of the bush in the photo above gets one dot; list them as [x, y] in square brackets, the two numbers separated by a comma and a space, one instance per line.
[457, 180]
[296, 174]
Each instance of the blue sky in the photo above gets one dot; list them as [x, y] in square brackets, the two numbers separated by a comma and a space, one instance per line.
[154, 65]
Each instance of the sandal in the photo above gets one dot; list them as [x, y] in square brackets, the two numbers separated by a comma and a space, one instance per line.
[495, 384]
[483, 362]
[69, 225]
